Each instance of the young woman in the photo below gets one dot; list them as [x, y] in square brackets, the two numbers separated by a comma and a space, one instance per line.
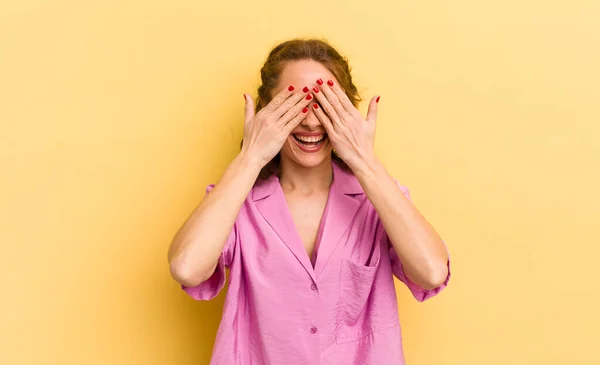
[310, 225]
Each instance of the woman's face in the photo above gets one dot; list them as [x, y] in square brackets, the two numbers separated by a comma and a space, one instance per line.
[308, 144]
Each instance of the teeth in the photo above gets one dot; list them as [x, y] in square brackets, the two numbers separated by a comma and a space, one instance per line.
[310, 139]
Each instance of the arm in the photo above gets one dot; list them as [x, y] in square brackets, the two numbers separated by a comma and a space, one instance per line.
[422, 253]
[195, 249]
[420, 249]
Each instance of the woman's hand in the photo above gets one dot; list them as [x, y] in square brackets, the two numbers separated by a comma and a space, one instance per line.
[266, 131]
[350, 134]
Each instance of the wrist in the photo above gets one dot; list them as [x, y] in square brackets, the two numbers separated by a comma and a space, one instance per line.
[372, 176]
[366, 166]
[248, 163]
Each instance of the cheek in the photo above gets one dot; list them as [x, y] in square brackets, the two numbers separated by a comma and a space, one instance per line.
[288, 145]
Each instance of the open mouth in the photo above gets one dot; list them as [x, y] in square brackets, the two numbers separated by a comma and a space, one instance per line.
[310, 141]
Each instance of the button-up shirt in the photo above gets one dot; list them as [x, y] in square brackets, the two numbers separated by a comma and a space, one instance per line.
[281, 309]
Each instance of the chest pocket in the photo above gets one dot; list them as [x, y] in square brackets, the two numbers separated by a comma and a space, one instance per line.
[358, 306]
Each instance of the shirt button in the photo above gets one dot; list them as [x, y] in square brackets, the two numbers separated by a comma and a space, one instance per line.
[313, 287]
[313, 330]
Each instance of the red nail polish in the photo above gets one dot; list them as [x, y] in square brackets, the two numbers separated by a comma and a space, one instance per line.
[305, 110]
[330, 83]
[291, 88]
[320, 82]
[306, 89]
[377, 100]
[308, 97]
[316, 106]
[316, 89]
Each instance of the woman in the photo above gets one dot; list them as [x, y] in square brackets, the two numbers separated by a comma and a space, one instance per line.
[310, 225]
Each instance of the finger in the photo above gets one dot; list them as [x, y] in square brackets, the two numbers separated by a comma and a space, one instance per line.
[323, 118]
[297, 119]
[345, 101]
[279, 99]
[372, 112]
[290, 103]
[333, 98]
[328, 108]
[300, 106]
[249, 108]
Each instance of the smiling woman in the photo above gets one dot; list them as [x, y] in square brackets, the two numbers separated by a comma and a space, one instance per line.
[308, 60]
[312, 237]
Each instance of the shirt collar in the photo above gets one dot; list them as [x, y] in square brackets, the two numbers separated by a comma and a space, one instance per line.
[343, 179]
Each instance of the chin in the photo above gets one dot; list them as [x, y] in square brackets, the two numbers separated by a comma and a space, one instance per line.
[311, 161]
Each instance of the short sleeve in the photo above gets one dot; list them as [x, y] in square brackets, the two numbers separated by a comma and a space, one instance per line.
[210, 288]
[419, 293]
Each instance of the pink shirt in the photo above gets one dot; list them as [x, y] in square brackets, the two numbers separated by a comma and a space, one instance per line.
[281, 310]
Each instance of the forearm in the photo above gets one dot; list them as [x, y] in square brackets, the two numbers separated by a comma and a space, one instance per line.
[195, 249]
[422, 252]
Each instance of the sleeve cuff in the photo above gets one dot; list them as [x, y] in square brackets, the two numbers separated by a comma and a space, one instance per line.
[421, 294]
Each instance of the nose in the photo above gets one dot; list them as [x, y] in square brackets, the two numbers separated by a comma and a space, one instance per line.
[311, 122]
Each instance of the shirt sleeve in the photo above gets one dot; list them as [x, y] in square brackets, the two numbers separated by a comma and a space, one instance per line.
[211, 287]
[419, 293]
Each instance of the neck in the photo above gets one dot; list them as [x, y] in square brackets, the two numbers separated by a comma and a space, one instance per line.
[305, 179]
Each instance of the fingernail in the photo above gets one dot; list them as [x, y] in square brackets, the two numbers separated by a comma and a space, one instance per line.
[316, 89]
[308, 97]
[244, 95]
[320, 82]
[316, 106]
[377, 100]
[291, 88]
[305, 110]
[306, 89]
[330, 83]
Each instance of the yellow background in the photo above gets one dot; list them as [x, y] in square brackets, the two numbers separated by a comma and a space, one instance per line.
[116, 114]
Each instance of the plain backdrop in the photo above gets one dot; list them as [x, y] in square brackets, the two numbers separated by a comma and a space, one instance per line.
[116, 114]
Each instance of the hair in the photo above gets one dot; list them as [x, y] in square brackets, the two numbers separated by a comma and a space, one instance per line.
[295, 50]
